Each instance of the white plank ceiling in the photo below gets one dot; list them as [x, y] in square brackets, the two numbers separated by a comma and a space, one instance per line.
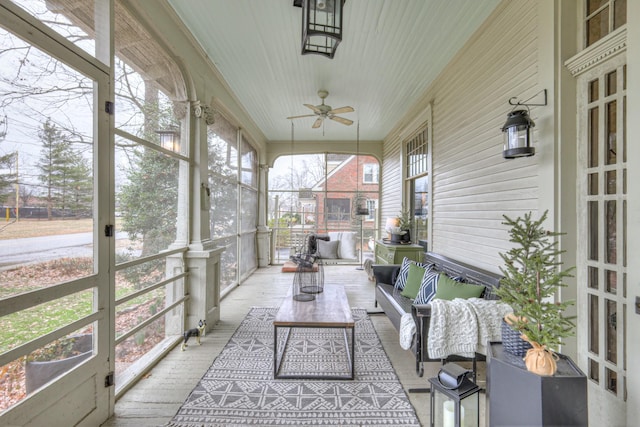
[390, 52]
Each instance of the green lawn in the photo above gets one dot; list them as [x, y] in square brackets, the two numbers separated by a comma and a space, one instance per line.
[19, 328]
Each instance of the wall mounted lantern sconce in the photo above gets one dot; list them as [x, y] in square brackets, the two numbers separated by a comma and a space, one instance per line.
[321, 26]
[517, 129]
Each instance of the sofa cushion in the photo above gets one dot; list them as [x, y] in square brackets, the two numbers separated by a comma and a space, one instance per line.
[414, 280]
[327, 250]
[449, 289]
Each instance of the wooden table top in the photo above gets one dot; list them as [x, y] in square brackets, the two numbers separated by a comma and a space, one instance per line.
[329, 309]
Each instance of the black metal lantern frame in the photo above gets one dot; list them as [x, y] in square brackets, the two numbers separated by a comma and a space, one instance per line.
[455, 399]
[517, 135]
[321, 26]
[517, 129]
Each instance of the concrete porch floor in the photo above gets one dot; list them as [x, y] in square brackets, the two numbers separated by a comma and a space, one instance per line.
[155, 399]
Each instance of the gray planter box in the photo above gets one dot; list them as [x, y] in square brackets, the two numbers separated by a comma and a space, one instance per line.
[517, 397]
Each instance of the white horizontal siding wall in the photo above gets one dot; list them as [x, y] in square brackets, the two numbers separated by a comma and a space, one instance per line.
[391, 183]
[473, 186]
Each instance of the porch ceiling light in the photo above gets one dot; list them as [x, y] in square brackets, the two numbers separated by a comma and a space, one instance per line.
[517, 135]
[321, 26]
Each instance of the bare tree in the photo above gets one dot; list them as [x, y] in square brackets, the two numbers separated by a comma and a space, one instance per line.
[25, 194]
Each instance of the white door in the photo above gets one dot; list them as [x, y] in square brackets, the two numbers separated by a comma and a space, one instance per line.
[602, 257]
[55, 308]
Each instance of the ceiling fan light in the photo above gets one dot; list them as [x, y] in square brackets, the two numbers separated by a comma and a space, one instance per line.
[324, 111]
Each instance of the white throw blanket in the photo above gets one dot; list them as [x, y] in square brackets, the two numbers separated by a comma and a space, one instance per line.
[464, 326]
[407, 330]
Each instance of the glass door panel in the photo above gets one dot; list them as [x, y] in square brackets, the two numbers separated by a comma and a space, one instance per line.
[604, 198]
[47, 234]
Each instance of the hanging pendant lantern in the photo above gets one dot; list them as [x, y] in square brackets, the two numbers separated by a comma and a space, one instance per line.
[321, 26]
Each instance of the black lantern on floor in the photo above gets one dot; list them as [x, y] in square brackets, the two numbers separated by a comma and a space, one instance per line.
[517, 135]
[455, 398]
[321, 26]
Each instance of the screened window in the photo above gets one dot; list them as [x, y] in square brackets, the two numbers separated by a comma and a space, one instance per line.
[223, 181]
[417, 161]
[63, 18]
[47, 182]
[603, 17]
[233, 214]
[150, 169]
[249, 161]
[317, 193]
[417, 151]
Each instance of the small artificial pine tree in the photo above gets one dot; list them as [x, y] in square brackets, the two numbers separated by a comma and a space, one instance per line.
[532, 275]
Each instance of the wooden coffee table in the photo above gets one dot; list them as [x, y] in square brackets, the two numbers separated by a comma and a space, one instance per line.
[330, 309]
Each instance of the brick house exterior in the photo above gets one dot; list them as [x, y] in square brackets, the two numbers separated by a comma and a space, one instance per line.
[335, 195]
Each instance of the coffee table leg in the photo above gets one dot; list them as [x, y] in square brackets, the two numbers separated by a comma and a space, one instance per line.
[353, 352]
[277, 361]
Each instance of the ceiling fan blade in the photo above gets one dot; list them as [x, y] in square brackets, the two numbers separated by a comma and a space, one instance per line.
[314, 108]
[342, 110]
[317, 123]
[305, 115]
[341, 120]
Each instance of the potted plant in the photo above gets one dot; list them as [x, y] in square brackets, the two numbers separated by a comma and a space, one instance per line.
[532, 276]
[404, 226]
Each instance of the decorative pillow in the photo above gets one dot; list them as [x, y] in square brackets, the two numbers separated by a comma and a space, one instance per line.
[327, 250]
[313, 238]
[428, 287]
[401, 280]
[449, 289]
[347, 245]
[414, 280]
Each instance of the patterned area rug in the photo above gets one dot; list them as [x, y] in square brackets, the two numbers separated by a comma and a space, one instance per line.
[239, 389]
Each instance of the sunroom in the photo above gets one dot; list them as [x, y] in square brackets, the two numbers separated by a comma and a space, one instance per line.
[161, 158]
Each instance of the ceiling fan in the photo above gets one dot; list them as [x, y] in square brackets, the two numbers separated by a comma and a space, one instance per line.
[325, 111]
